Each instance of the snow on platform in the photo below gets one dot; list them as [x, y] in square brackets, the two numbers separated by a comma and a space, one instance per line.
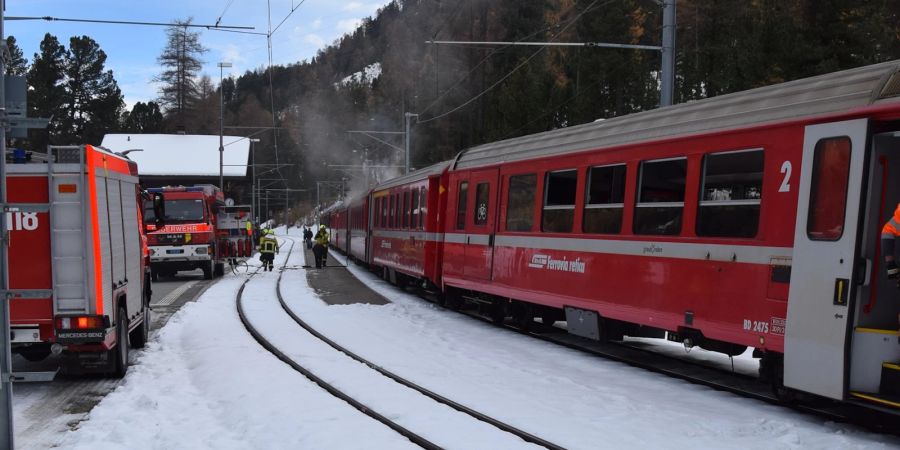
[183, 154]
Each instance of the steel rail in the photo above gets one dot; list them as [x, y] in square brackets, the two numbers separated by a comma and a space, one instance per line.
[525, 436]
[413, 437]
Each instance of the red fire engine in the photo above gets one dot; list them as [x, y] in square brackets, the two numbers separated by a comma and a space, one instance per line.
[199, 232]
[77, 252]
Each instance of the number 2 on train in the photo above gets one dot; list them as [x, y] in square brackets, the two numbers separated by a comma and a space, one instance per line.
[786, 182]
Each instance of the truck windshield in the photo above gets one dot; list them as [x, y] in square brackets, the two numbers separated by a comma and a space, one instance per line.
[187, 210]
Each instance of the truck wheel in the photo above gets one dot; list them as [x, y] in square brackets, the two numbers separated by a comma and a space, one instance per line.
[220, 269]
[120, 353]
[141, 334]
[208, 271]
[154, 276]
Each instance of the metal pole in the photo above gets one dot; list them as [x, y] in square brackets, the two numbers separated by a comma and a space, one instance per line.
[287, 206]
[406, 138]
[6, 410]
[667, 71]
[252, 180]
[222, 66]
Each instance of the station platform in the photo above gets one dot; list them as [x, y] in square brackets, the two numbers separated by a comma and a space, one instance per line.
[335, 285]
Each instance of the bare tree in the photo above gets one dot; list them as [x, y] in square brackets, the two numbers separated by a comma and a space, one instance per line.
[181, 63]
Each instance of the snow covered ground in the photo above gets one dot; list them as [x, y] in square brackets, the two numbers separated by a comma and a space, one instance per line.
[204, 382]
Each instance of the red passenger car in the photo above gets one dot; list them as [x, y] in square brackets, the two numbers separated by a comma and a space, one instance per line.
[406, 241]
[749, 219]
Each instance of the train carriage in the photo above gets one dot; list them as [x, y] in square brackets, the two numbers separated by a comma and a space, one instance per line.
[750, 219]
[406, 240]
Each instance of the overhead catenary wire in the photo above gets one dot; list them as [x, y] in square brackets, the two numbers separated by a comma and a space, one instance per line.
[227, 5]
[131, 22]
[515, 69]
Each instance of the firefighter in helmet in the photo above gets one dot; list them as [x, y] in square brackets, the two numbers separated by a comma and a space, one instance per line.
[889, 234]
[268, 247]
[320, 249]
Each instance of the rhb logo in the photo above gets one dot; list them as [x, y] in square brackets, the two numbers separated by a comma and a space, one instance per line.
[22, 221]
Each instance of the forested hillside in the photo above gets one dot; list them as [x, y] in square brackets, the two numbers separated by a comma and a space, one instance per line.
[466, 95]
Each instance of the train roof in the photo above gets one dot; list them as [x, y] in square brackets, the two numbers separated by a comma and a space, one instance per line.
[808, 97]
[417, 175]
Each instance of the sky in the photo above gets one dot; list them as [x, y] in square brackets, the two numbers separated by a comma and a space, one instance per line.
[132, 50]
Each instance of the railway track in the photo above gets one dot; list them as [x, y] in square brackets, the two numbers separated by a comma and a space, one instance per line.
[331, 388]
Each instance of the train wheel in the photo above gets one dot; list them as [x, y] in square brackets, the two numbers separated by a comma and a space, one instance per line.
[452, 300]
[522, 314]
[497, 311]
[548, 319]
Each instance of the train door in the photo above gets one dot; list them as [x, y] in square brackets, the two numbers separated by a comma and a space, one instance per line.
[825, 252]
[479, 253]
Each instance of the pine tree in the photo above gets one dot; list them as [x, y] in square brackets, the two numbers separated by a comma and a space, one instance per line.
[181, 63]
[143, 118]
[17, 64]
[45, 97]
[93, 101]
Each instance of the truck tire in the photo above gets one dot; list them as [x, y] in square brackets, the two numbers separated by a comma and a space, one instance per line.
[219, 270]
[120, 352]
[154, 275]
[141, 334]
[208, 271]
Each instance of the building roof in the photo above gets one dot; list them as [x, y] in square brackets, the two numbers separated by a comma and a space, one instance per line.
[810, 97]
[183, 154]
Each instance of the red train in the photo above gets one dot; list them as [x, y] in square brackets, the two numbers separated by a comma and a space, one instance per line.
[749, 219]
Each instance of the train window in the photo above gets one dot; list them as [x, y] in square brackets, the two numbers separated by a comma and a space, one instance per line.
[414, 223]
[390, 221]
[828, 194]
[398, 210]
[423, 207]
[384, 212]
[730, 194]
[482, 197]
[377, 210]
[559, 201]
[461, 205]
[520, 202]
[405, 210]
[407, 213]
[395, 211]
[660, 197]
[605, 199]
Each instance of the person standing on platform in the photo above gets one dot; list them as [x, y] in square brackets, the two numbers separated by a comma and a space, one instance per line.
[307, 237]
[320, 249]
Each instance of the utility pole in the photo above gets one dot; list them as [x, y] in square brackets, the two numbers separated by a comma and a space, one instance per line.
[222, 66]
[6, 410]
[406, 138]
[667, 88]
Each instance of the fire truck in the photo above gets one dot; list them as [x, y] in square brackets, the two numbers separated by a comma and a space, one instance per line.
[78, 266]
[200, 233]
